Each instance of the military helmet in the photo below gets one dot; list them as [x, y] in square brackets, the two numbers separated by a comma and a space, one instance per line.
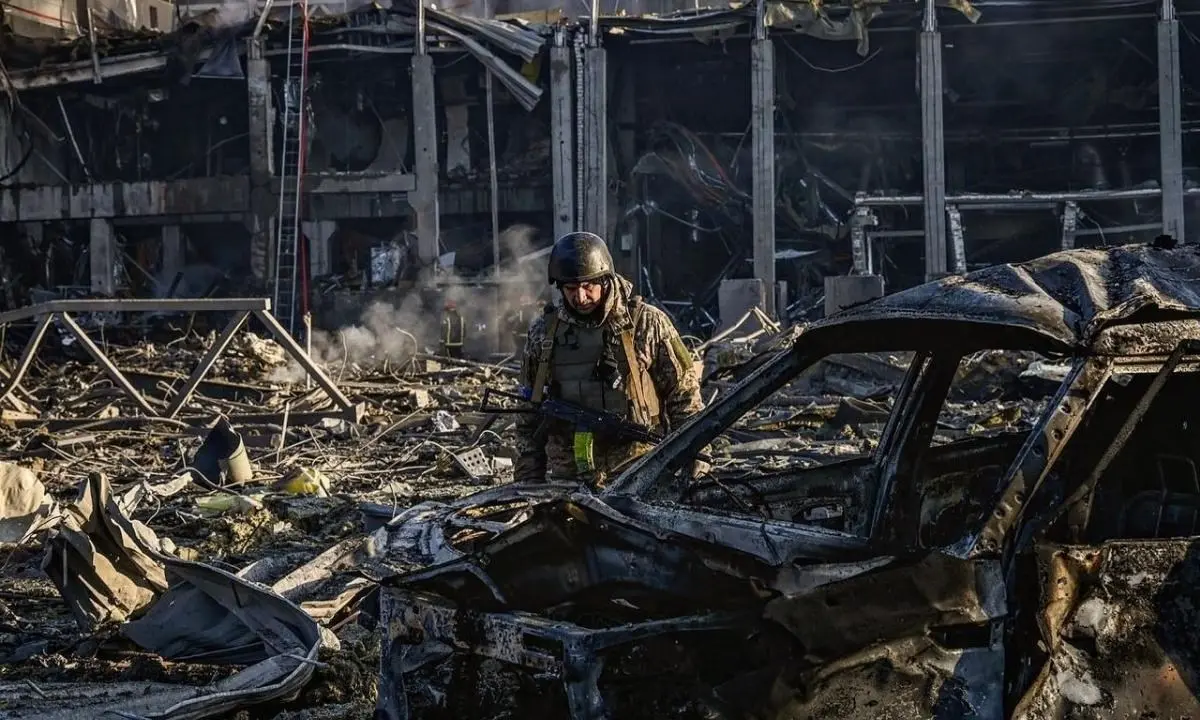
[579, 257]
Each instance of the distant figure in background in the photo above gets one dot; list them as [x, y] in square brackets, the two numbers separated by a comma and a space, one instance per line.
[454, 330]
[518, 323]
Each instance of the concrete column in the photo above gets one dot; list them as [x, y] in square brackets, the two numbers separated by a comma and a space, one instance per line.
[319, 233]
[263, 203]
[1170, 122]
[562, 125]
[595, 141]
[762, 138]
[424, 198]
[262, 234]
[102, 252]
[624, 156]
[933, 143]
[174, 252]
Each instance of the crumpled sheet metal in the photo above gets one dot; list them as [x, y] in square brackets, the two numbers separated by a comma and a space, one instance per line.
[1119, 620]
[874, 651]
[1067, 297]
[97, 559]
[417, 537]
[203, 614]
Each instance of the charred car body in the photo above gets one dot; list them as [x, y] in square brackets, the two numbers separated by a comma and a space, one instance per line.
[1040, 574]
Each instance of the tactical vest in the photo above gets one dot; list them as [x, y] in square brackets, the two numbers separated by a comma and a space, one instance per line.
[573, 376]
[572, 357]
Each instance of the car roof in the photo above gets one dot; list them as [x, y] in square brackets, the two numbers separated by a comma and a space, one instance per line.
[1059, 302]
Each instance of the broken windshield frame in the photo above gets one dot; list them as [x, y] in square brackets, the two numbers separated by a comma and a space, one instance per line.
[909, 421]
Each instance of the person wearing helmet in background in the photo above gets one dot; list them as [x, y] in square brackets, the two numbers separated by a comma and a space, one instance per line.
[605, 349]
[518, 322]
[454, 330]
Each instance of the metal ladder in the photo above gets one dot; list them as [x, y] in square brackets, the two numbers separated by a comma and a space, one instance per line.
[295, 152]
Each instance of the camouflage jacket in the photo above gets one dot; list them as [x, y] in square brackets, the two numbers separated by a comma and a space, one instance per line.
[545, 448]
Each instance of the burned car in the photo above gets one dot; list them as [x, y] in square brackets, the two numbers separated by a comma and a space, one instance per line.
[1040, 573]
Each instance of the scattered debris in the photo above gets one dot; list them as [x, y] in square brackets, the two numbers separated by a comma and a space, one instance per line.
[968, 499]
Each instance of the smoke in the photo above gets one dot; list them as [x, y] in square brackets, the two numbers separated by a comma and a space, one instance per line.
[391, 333]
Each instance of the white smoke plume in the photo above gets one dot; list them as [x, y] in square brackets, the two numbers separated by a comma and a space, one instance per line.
[390, 334]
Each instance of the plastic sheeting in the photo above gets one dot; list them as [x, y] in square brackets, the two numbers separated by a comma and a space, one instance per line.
[109, 568]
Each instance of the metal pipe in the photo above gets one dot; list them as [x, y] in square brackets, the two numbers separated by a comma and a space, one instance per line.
[1046, 136]
[71, 134]
[262, 19]
[421, 48]
[594, 28]
[579, 143]
[492, 171]
[1022, 198]
[1102, 231]
[686, 34]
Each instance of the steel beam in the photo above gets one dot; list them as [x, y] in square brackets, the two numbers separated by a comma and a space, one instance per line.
[210, 356]
[1170, 122]
[958, 244]
[31, 347]
[933, 144]
[562, 151]
[47, 312]
[182, 305]
[594, 114]
[424, 198]
[113, 372]
[762, 137]
[974, 200]
[293, 348]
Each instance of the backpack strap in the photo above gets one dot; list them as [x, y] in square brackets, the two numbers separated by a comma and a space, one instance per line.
[545, 352]
[643, 409]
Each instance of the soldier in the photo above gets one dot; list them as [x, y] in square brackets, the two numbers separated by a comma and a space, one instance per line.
[518, 323]
[604, 349]
[454, 330]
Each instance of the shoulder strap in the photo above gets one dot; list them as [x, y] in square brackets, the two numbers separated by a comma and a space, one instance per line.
[545, 351]
[637, 390]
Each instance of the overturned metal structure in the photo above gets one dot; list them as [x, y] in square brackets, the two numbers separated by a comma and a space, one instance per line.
[1028, 575]
[51, 313]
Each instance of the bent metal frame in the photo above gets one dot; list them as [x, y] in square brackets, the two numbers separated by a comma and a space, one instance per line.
[242, 308]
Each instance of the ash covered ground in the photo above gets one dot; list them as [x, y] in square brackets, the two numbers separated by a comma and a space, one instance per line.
[320, 483]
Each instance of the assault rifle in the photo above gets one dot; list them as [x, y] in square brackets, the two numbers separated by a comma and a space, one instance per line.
[581, 418]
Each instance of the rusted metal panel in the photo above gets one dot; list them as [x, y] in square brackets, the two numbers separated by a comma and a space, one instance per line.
[194, 196]
[1119, 620]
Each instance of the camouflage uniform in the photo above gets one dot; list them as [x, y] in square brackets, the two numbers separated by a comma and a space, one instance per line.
[546, 445]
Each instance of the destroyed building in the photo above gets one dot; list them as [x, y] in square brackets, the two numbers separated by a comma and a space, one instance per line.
[976, 498]
[433, 140]
[973, 497]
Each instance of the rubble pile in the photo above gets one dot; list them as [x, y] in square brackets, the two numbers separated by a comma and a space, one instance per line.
[204, 569]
